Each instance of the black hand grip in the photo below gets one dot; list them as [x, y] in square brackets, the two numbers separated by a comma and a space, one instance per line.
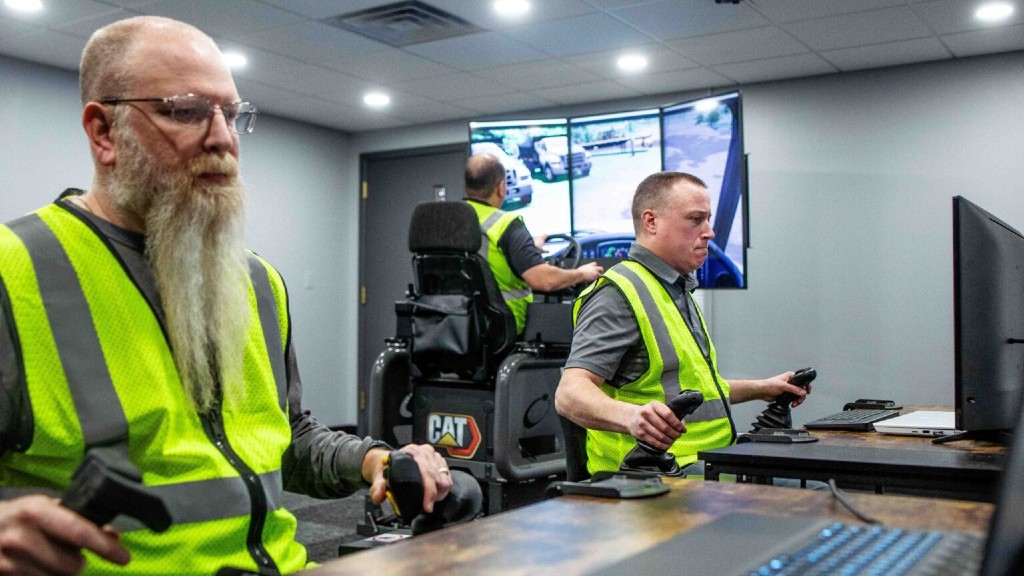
[405, 485]
[107, 484]
[801, 378]
[647, 458]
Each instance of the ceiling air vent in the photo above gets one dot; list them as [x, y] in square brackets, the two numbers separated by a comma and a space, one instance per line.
[403, 23]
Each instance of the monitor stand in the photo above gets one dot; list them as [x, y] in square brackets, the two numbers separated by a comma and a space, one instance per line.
[1003, 437]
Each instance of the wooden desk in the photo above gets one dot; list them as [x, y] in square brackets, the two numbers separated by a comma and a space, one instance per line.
[886, 463]
[577, 534]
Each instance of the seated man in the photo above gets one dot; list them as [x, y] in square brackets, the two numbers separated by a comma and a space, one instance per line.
[640, 339]
[132, 317]
[512, 254]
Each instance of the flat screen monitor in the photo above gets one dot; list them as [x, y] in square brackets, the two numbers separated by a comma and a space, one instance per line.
[611, 154]
[988, 321]
[705, 138]
[543, 202]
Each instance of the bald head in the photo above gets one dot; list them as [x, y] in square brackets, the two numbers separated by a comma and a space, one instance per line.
[114, 54]
[484, 174]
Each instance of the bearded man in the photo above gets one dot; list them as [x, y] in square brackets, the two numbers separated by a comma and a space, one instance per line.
[133, 318]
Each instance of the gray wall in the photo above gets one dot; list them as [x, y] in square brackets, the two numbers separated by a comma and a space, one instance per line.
[299, 218]
[851, 180]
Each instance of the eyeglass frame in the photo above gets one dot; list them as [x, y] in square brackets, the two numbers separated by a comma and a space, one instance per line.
[211, 108]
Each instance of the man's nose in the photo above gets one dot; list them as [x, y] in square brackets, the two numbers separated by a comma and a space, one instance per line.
[219, 136]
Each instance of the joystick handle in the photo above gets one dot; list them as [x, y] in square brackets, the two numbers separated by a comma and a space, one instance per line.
[647, 458]
[464, 501]
[778, 413]
[107, 484]
[682, 406]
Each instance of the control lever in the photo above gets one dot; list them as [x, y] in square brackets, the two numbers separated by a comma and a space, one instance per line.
[106, 484]
[405, 492]
[778, 414]
[647, 458]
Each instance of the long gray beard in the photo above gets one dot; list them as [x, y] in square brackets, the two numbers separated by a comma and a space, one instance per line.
[195, 245]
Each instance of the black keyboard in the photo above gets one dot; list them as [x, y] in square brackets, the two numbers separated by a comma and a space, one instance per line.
[851, 420]
[855, 549]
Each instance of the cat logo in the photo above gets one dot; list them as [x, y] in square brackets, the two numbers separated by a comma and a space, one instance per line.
[457, 433]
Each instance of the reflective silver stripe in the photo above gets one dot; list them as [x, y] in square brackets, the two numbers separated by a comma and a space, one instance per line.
[485, 227]
[669, 358]
[515, 294]
[92, 389]
[710, 410]
[206, 500]
[267, 305]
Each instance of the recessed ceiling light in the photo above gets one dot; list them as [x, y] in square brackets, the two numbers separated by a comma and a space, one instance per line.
[994, 11]
[376, 99]
[632, 62]
[511, 7]
[24, 5]
[235, 60]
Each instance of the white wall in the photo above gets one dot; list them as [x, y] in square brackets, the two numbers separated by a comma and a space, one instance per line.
[303, 213]
[851, 181]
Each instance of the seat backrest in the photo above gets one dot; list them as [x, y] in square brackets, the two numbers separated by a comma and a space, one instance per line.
[461, 324]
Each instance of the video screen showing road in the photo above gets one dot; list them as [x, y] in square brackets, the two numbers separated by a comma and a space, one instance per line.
[704, 138]
[532, 152]
[621, 150]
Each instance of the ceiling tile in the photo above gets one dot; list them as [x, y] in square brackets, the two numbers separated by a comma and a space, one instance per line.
[505, 103]
[309, 41]
[891, 54]
[533, 75]
[58, 12]
[475, 51]
[782, 11]
[264, 97]
[321, 9]
[579, 35]
[676, 81]
[988, 41]
[608, 4]
[84, 27]
[671, 19]
[728, 47]
[347, 118]
[224, 17]
[659, 59]
[860, 29]
[420, 110]
[950, 16]
[388, 66]
[776, 68]
[452, 86]
[46, 47]
[591, 92]
[9, 29]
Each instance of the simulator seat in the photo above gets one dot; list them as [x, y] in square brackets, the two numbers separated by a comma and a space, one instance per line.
[455, 376]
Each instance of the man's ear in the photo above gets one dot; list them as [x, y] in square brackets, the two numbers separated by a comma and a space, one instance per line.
[98, 124]
[649, 221]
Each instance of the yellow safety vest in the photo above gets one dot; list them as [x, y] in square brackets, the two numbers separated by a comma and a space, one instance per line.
[515, 291]
[676, 363]
[99, 372]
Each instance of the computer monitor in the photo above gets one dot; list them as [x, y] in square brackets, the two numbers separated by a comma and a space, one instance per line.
[988, 322]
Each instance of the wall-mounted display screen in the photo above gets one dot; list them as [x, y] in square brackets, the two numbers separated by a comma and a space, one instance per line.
[536, 188]
[587, 187]
[617, 151]
[705, 138]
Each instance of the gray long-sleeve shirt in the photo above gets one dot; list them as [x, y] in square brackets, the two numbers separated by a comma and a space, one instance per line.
[319, 462]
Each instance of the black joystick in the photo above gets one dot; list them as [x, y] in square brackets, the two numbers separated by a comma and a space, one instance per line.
[647, 458]
[107, 484]
[778, 414]
[405, 492]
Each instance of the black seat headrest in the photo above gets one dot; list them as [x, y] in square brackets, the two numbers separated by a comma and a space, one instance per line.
[444, 226]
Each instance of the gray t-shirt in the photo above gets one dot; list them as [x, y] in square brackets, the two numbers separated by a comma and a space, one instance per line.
[319, 462]
[607, 339]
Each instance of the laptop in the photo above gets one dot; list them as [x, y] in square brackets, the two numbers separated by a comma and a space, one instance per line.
[744, 544]
[919, 423]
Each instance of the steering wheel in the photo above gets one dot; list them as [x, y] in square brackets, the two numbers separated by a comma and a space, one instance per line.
[567, 258]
